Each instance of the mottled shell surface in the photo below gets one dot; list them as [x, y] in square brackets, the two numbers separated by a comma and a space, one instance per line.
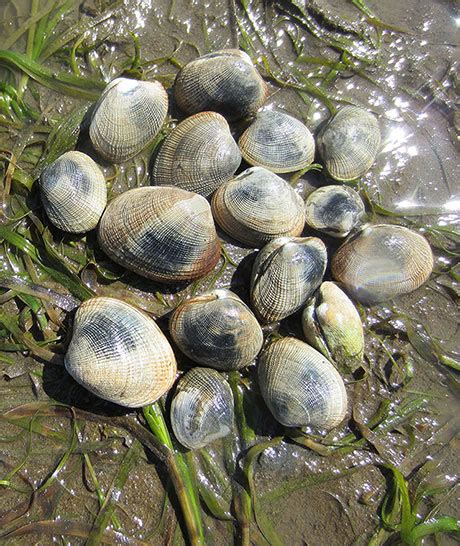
[381, 262]
[127, 117]
[285, 274]
[73, 192]
[278, 142]
[334, 210]
[217, 330]
[333, 326]
[300, 386]
[201, 408]
[225, 81]
[162, 233]
[349, 143]
[198, 155]
[118, 353]
[258, 206]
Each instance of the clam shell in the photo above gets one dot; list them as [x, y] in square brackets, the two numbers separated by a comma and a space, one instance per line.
[278, 142]
[258, 206]
[381, 262]
[285, 274]
[198, 155]
[118, 353]
[202, 408]
[224, 81]
[349, 143]
[334, 210]
[73, 192]
[300, 386]
[128, 116]
[162, 233]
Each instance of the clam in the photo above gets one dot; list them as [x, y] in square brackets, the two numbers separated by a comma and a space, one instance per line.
[300, 386]
[118, 353]
[225, 81]
[278, 142]
[201, 408]
[127, 117]
[349, 143]
[258, 206]
[198, 155]
[334, 210]
[381, 262]
[73, 192]
[162, 233]
[285, 274]
[332, 325]
[217, 330]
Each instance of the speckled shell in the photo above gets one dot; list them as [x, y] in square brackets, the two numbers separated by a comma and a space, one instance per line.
[332, 325]
[127, 117]
[349, 143]
[199, 155]
[381, 262]
[224, 81]
[201, 408]
[118, 353]
[300, 386]
[285, 274]
[278, 142]
[217, 330]
[162, 233]
[73, 192]
[334, 210]
[258, 206]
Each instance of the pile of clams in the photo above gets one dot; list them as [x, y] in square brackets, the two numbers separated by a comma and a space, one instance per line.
[212, 174]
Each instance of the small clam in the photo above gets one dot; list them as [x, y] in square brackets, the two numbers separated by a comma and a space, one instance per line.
[285, 274]
[225, 81]
[162, 233]
[127, 117]
[201, 408]
[258, 206]
[199, 155]
[277, 142]
[381, 262]
[73, 192]
[217, 330]
[349, 143]
[333, 326]
[300, 386]
[118, 353]
[334, 210]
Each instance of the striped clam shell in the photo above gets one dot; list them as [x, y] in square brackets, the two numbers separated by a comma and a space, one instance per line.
[198, 155]
[118, 353]
[73, 192]
[162, 233]
[278, 142]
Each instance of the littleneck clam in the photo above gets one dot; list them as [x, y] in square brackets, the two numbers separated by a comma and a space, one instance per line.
[258, 206]
[349, 143]
[382, 261]
[300, 386]
[201, 408]
[198, 155]
[332, 325]
[224, 81]
[334, 210]
[285, 274]
[278, 142]
[118, 353]
[127, 117]
[73, 192]
[217, 330]
[162, 233]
